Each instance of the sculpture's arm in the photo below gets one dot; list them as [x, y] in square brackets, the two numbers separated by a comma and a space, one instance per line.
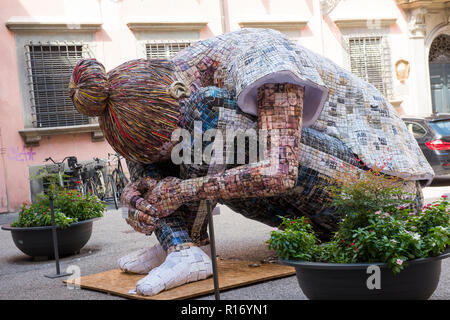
[275, 174]
[280, 115]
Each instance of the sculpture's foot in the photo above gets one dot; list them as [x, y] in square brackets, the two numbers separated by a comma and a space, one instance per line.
[180, 267]
[143, 260]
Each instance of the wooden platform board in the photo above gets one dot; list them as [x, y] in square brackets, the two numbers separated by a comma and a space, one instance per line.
[232, 274]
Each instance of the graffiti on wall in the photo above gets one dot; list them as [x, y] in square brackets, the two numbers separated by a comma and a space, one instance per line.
[20, 154]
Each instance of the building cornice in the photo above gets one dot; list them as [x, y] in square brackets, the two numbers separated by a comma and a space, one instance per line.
[365, 23]
[53, 24]
[138, 25]
[32, 136]
[430, 5]
[275, 24]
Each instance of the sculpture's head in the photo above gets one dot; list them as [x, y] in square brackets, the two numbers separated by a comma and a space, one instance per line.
[136, 104]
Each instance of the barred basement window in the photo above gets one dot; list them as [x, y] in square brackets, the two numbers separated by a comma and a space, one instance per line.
[49, 69]
[165, 50]
[370, 60]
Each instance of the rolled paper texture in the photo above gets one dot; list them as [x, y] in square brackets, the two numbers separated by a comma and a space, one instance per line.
[88, 87]
[136, 110]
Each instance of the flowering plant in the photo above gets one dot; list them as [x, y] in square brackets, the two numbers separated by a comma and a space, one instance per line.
[380, 224]
[69, 207]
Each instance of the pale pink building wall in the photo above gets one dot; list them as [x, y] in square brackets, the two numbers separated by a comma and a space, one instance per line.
[116, 43]
[15, 164]
[118, 39]
[12, 174]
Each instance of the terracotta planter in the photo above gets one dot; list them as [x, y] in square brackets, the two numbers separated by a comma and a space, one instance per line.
[333, 281]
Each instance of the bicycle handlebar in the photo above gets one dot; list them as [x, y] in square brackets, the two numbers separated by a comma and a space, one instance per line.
[55, 162]
[99, 159]
[78, 166]
[115, 155]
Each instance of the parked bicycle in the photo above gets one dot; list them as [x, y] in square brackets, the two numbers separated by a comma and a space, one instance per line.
[75, 172]
[119, 178]
[103, 188]
[74, 178]
[91, 179]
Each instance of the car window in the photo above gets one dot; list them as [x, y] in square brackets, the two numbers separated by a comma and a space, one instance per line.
[416, 129]
[442, 127]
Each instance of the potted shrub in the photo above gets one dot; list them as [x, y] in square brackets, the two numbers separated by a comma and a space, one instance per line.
[74, 216]
[383, 248]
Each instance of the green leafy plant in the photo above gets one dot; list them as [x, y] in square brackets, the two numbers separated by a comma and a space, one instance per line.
[51, 180]
[69, 206]
[296, 240]
[379, 224]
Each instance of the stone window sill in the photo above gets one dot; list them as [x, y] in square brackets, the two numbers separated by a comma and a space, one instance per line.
[139, 25]
[275, 24]
[374, 23]
[32, 136]
[57, 24]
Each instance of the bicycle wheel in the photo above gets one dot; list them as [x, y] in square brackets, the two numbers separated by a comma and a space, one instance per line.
[118, 182]
[113, 191]
[100, 191]
[90, 188]
[124, 179]
[80, 189]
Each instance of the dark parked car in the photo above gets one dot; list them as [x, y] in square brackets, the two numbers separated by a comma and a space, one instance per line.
[433, 136]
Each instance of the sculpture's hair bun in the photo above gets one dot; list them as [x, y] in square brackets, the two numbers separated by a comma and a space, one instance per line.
[88, 87]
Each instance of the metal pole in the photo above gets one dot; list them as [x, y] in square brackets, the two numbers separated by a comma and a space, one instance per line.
[55, 243]
[54, 234]
[212, 243]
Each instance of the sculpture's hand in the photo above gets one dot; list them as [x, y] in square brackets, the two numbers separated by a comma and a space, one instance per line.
[133, 196]
[141, 222]
[166, 196]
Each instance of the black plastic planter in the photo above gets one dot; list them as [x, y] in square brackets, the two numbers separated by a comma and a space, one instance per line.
[332, 281]
[38, 241]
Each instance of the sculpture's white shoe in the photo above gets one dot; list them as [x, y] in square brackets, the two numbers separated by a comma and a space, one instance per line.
[143, 260]
[180, 267]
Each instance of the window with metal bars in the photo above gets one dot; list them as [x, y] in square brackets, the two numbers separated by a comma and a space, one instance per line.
[49, 67]
[370, 60]
[165, 50]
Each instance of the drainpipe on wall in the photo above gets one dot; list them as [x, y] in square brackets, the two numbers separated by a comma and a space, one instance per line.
[4, 199]
[420, 79]
[223, 15]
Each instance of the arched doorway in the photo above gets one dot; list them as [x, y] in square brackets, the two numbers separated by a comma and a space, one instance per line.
[439, 62]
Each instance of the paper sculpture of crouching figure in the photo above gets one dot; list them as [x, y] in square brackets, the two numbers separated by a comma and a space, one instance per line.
[316, 116]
